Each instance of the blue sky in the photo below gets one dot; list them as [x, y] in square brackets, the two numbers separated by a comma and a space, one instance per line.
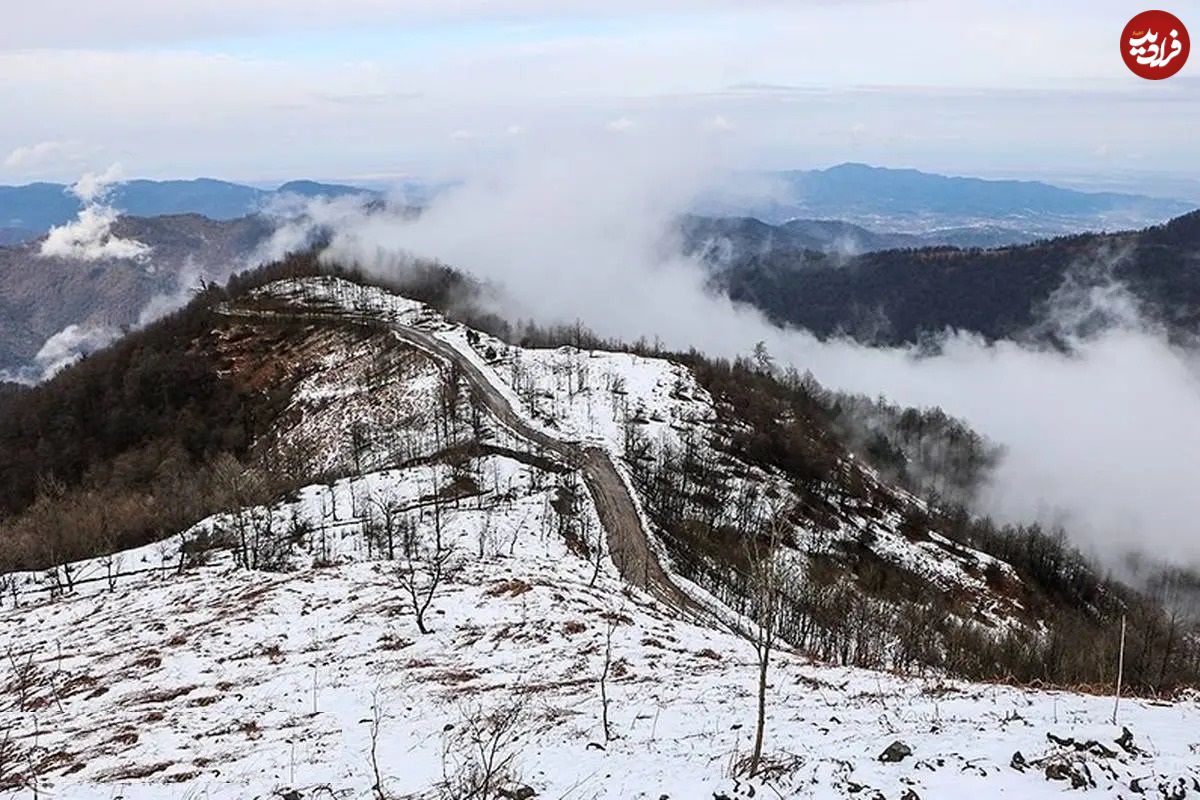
[271, 89]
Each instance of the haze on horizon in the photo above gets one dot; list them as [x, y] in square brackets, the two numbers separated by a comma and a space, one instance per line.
[370, 90]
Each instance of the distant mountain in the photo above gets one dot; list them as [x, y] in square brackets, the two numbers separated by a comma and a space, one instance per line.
[898, 296]
[15, 235]
[314, 189]
[912, 201]
[39, 296]
[37, 207]
[718, 239]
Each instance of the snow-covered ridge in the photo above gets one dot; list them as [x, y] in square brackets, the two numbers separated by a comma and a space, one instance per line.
[590, 396]
[187, 676]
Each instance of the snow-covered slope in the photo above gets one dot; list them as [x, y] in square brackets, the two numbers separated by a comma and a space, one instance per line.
[598, 397]
[172, 671]
[223, 682]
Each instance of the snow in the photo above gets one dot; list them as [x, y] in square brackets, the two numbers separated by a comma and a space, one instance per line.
[239, 683]
[222, 682]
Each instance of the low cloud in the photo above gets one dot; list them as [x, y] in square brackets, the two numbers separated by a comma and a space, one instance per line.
[1100, 437]
[89, 236]
[69, 345]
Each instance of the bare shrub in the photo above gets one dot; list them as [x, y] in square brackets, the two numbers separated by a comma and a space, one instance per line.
[481, 753]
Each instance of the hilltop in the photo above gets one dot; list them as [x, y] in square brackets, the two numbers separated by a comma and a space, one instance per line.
[249, 624]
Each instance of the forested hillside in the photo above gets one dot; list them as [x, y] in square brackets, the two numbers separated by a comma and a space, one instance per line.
[40, 296]
[897, 296]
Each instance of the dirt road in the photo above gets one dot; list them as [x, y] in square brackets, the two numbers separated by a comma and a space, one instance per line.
[627, 540]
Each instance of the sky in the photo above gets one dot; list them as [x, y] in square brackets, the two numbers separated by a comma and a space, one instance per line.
[268, 90]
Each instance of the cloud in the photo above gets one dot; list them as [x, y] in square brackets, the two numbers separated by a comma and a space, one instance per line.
[241, 114]
[89, 236]
[71, 344]
[93, 186]
[299, 222]
[35, 158]
[1102, 438]
[67, 23]
[620, 125]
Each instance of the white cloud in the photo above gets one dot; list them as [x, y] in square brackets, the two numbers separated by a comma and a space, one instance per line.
[778, 69]
[89, 236]
[620, 125]
[772, 67]
[34, 158]
[93, 186]
[1104, 439]
[71, 344]
[70, 23]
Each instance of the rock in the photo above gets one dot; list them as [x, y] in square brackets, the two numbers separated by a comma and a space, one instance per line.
[1018, 762]
[896, 751]
[1125, 742]
[1066, 771]
[909, 794]
[517, 793]
[1097, 749]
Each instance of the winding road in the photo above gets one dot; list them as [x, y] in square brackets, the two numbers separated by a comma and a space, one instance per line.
[628, 541]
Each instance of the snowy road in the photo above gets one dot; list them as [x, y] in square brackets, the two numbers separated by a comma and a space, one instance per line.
[628, 541]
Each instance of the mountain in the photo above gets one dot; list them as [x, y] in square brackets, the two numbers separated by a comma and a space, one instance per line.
[41, 296]
[39, 206]
[36, 206]
[328, 536]
[719, 239]
[313, 189]
[908, 200]
[9, 236]
[897, 296]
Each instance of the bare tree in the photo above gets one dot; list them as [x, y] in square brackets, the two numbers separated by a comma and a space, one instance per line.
[240, 487]
[485, 749]
[424, 567]
[384, 520]
[613, 619]
[376, 724]
[765, 587]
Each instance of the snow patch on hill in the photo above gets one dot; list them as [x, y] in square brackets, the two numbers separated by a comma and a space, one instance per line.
[221, 682]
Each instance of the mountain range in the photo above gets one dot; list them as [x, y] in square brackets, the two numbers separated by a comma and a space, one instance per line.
[30, 210]
[721, 239]
[936, 209]
[911, 201]
[898, 296]
[826, 276]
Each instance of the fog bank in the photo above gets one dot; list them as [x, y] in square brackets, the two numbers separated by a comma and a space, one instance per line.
[1104, 440]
